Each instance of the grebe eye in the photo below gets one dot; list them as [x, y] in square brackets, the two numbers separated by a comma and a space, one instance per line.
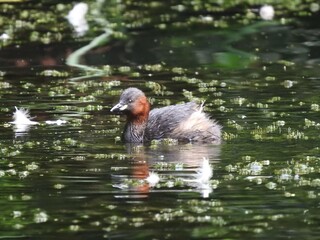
[130, 100]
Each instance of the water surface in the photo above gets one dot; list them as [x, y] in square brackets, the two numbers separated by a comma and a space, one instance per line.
[77, 180]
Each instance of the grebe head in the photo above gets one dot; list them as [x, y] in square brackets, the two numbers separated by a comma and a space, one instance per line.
[133, 103]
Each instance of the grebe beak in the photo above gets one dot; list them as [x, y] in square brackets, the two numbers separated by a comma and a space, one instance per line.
[119, 107]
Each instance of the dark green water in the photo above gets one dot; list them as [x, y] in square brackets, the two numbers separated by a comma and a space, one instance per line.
[78, 181]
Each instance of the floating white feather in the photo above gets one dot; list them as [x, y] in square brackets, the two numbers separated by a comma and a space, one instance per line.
[266, 12]
[4, 37]
[153, 179]
[202, 178]
[22, 117]
[204, 173]
[22, 120]
[77, 18]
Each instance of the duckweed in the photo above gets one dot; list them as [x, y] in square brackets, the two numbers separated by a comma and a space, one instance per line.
[112, 156]
[165, 141]
[178, 70]
[302, 169]
[271, 185]
[229, 136]
[295, 134]
[5, 85]
[32, 166]
[288, 83]
[156, 87]
[153, 68]
[54, 73]
[58, 186]
[309, 123]
[315, 107]
[168, 166]
[40, 217]
[124, 69]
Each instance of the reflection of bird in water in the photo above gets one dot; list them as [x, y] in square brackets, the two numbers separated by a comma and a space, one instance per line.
[184, 122]
[189, 164]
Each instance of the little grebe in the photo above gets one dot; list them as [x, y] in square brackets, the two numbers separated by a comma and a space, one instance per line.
[184, 122]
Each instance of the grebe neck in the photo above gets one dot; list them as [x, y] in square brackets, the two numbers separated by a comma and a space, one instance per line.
[134, 131]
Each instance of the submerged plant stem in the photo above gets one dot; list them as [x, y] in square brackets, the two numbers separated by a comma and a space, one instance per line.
[74, 59]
